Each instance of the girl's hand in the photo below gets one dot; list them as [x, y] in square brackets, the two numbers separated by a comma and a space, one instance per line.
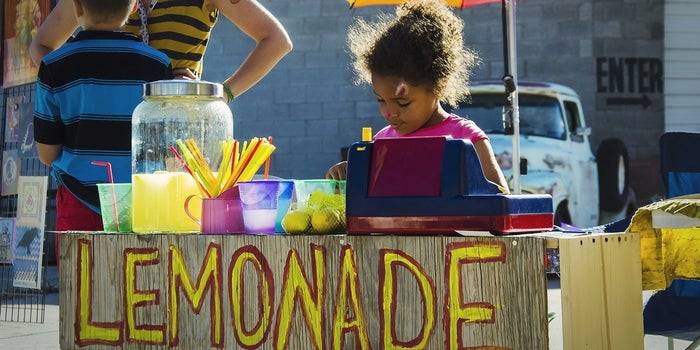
[184, 73]
[338, 171]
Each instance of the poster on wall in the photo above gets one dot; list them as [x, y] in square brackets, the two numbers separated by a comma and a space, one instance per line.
[12, 107]
[10, 172]
[28, 245]
[27, 147]
[7, 234]
[22, 19]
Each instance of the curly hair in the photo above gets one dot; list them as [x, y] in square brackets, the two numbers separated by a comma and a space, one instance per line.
[422, 44]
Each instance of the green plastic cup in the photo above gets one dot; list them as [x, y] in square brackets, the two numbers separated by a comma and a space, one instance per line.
[304, 188]
[342, 186]
[122, 195]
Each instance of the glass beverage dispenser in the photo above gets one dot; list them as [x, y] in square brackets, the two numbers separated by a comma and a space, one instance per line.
[172, 110]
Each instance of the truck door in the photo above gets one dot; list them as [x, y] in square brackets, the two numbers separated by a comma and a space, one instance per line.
[584, 205]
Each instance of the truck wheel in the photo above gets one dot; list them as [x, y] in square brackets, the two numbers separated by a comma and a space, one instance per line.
[613, 174]
[561, 215]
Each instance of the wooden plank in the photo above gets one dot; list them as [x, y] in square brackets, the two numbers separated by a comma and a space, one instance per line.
[601, 292]
[623, 282]
[498, 283]
[67, 289]
[582, 296]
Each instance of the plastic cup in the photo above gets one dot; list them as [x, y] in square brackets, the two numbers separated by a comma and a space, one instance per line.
[304, 188]
[123, 203]
[342, 185]
[284, 201]
[221, 215]
[260, 202]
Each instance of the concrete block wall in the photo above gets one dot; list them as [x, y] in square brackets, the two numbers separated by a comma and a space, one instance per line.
[308, 102]
[311, 107]
[631, 30]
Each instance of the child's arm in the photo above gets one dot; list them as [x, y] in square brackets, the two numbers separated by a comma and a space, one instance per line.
[338, 171]
[54, 31]
[271, 41]
[489, 165]
[48, 153]
[48, 126]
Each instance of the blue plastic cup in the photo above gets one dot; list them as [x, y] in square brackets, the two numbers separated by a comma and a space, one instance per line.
[284, 201]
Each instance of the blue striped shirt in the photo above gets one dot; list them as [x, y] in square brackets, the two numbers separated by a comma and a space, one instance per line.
[85, 94]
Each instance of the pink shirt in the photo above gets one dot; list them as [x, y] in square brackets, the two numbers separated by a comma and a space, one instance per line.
[455, 126]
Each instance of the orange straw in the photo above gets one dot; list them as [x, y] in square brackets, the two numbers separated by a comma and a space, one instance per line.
[266, 174]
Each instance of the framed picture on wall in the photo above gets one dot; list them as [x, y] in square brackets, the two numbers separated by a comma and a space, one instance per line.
[28, 245]
[10, 172]
[27, 257]
[21, 20]
[7, 237]
[13, 105]
[27, 146]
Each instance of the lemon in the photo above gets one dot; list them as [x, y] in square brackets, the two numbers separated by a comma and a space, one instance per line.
[326, 221]
[296, 222]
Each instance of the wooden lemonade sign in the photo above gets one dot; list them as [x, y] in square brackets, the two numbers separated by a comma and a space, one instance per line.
[312, 292]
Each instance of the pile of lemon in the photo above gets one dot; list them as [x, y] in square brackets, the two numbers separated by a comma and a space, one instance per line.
[323, 213]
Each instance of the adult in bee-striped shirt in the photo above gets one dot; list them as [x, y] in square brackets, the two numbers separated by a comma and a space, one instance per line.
[181, 30]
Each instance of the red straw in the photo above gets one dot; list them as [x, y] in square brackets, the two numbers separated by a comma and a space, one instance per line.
[111, 181]
[266, 174]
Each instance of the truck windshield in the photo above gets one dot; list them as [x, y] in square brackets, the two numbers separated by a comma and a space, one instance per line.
[539, 115]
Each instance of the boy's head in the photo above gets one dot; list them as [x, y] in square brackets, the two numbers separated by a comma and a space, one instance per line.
[104, 11]
[421, 52]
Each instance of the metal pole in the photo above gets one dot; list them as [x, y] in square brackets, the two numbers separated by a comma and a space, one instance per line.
[504, 29]
[512, 65]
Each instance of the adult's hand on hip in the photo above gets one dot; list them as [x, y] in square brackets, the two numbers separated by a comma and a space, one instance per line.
[184, 73]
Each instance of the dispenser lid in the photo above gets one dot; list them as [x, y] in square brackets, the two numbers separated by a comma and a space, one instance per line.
[183, 88]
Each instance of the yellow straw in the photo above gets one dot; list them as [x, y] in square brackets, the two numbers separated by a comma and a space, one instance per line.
[204, 173]
[260, 160]
[236, 164]
[196, 172]
[236, 158]
[202, 163]
[225, 165]
[245, 147]
[257, 161]
[246, 159]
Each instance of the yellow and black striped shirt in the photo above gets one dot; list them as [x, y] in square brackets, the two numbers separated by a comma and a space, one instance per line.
[180, 29]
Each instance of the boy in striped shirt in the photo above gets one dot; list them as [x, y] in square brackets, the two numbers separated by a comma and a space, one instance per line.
[85, 94]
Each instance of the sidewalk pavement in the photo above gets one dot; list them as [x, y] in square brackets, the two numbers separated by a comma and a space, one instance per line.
[33, 336]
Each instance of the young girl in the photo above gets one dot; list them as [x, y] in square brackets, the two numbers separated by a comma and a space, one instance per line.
[413, 61]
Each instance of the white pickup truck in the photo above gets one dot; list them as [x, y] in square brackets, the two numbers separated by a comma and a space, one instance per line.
[587, 189]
